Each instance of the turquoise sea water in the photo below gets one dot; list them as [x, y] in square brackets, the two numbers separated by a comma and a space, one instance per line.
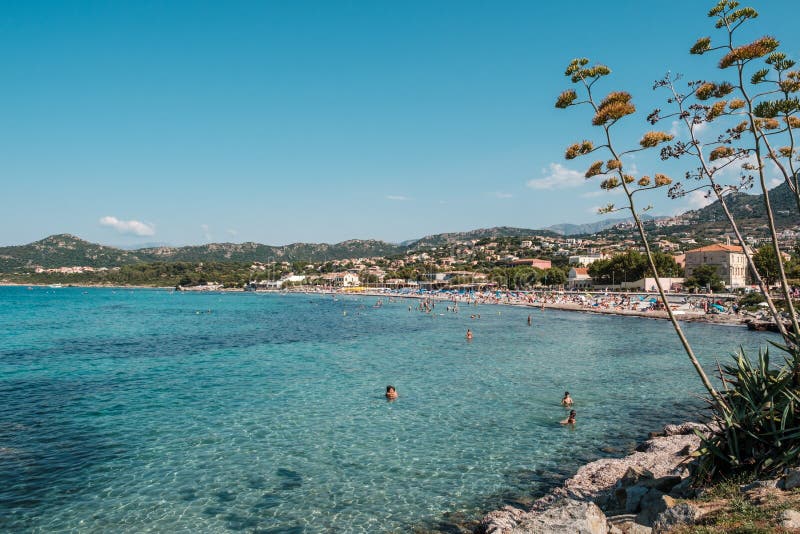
[153, 411]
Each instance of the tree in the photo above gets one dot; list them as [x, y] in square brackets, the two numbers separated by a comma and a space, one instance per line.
[555, 277]
[705, 276]
[766, 263]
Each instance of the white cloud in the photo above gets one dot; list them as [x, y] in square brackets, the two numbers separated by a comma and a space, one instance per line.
[775, 182]
[232, 232]
[603, 193]
[128, 227]
[697, 199]
[679, 129]
[396, 197]
[500, 194]
[557, 177]
[206, 232]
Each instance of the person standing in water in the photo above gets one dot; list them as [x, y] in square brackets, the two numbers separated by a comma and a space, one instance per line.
[569, 420]
[529, 320]
[391, 393]
[567, 400]
[469, 334]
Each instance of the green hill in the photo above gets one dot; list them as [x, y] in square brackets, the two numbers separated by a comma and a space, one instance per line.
[65, 250]
[746, 207]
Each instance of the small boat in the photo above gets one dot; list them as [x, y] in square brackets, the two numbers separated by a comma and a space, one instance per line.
[55, 286]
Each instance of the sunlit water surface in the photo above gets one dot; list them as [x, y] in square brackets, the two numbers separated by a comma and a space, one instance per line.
[154, 411]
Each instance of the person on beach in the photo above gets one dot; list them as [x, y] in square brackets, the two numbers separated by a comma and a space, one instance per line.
[391, 393]
[469, 334]
[567, 400]
[569, 420]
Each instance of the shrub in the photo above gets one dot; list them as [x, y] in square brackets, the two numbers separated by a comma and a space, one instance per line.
[757, 429]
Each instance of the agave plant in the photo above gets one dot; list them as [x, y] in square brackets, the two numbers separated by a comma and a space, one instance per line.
[757, 429]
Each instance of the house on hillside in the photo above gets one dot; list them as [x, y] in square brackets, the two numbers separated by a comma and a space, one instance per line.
[533, 262]
[588, 259]
[729, 261]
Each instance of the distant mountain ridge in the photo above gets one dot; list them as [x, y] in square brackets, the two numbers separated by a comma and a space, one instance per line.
[438, 240]
[567, 229]
[744, 206]
[66, 250]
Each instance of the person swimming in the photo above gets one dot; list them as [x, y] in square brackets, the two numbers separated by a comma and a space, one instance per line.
[570, 420]
[567, 400]
[469, 334]
[391, 393]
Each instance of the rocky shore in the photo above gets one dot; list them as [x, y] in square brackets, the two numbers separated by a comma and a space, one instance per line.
[635, 494]
[649, 492]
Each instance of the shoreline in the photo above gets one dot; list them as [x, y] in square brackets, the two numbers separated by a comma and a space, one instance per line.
[721, 319]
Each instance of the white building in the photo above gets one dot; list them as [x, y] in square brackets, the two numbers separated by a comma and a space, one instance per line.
[587, 259]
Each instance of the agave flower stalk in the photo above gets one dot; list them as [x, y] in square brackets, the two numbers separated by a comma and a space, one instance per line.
[607, 113]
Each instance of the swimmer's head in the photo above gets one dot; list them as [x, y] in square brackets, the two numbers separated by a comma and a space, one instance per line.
[389, 389]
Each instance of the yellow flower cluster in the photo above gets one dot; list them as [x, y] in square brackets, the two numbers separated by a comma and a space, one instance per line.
[609, 183]
[662, 179]
[595, 169]
[613, 107]
[651, 139]
[758, 48]
[717, 109]
[579, 149]
[721, 152]
[566, 98]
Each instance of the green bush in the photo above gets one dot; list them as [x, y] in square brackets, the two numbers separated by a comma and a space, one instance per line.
[756, 430]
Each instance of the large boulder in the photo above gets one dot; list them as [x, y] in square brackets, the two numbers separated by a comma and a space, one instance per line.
[567, 516]
[663, 484]
[626, 524]
[503, 520]
[791, 479]
[634, 475]
[653, 503]
[683, 429]
[790, 519]
[633, 497]
[682, 514]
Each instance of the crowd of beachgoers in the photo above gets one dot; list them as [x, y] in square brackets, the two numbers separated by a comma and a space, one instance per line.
[689, 307]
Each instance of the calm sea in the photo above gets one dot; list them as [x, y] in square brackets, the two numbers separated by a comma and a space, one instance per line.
[153, 411]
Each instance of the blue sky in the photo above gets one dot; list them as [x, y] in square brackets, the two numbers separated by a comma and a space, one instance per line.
[188, 122]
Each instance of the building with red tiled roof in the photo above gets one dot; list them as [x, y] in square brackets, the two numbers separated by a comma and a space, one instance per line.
[578, 278]
[729, 261]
